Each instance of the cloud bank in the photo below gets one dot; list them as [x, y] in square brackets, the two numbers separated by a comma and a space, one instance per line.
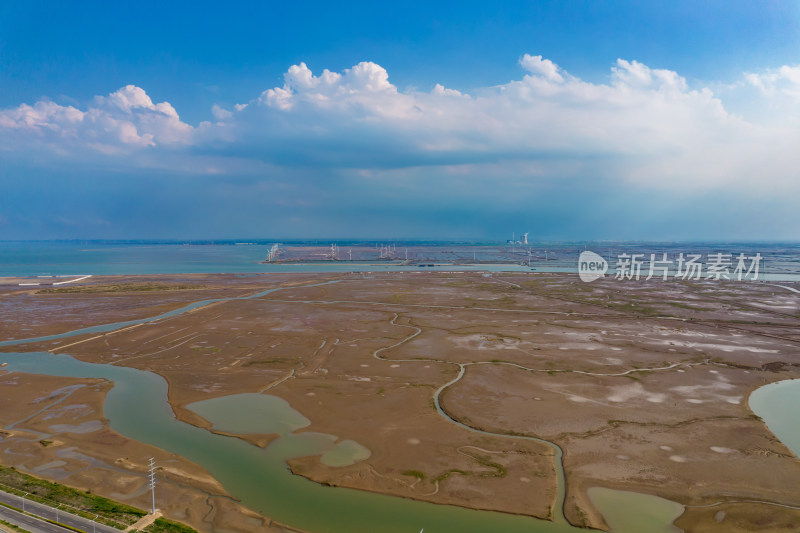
[642, 129]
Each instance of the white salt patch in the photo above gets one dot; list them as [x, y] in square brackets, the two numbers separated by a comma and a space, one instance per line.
[713, 371]
[723, 347]
[87, 427]
[578, 399]
[394, 366]
[624, 393]
[681, 371]
[694, 400]
[413, 441]
[364, 366]
[666, 448]
[623, 457]
[359, 379]
[720, 384]
[538, 399]
[721, 449]
[525, 480]
[677, 458]
[310, 394]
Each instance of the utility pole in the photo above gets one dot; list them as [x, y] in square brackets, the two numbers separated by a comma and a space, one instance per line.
[153, 483]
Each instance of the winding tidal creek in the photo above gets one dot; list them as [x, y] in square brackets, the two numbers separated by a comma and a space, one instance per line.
[137, 407]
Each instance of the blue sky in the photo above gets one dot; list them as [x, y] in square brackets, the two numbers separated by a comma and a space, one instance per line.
[569, 120]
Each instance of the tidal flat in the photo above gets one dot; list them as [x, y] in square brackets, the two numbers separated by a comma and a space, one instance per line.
[642, 384]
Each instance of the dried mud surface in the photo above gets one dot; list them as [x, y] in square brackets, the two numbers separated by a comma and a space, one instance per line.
[644, 385]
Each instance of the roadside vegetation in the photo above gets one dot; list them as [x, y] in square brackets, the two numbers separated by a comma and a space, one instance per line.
[162, 525]
[10, 527]
[81, 503]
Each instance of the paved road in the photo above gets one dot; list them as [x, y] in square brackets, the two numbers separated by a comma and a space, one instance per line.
[48, 512]
[28, 523]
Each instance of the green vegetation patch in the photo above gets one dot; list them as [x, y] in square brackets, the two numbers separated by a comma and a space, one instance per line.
[46, 492]
[447, 473]
[499, 470]
[689, 307]
[274, 361]
[124, 287]
[82, 503]
[213, 349]
[9, 526]
[162, 525]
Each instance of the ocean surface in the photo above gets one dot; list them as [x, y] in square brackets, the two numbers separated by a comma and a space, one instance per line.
[780, 261]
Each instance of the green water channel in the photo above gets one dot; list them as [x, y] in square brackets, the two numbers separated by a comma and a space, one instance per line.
[777, 404]
[631, 511]
[137, 407]
[261, 413]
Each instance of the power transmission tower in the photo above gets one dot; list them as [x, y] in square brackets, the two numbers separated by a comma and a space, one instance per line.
[153, 482]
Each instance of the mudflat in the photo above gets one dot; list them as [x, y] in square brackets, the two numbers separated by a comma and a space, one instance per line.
[643, 385]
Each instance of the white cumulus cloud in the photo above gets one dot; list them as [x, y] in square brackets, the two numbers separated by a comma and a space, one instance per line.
[123, 120]
[542, 67]
[784, 80]
[643, 127]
